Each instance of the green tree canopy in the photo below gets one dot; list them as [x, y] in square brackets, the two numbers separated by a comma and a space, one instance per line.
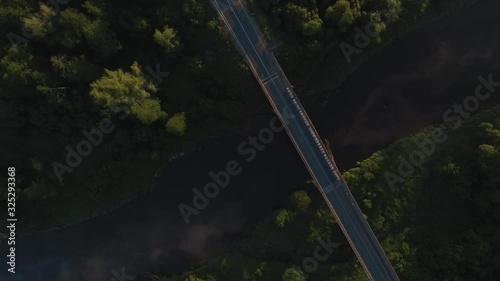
[18, 66]
[41, 22]
[95, 8]
[167, 39]
[300, 200]
[63, 65]
[176, 125]
[72, 24]
[293, 274]
[74, 68]
[117, 87]
[342, 15]
[313, 27]
[101, 38]
[194, 11]
[295, 16]
[148, 111]
[281, 217]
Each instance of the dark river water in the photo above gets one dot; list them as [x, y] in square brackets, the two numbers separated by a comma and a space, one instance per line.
[402, 89]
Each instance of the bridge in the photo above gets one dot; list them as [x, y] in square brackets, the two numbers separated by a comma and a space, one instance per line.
[315, 155]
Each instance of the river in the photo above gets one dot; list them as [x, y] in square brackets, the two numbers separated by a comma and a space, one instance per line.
[405, 87]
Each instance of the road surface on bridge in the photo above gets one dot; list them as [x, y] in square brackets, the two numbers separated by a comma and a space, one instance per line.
[306, 140]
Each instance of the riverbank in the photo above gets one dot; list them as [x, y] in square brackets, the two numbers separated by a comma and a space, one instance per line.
[424, 215]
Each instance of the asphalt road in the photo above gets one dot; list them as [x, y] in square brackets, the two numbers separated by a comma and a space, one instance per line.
[286, 105]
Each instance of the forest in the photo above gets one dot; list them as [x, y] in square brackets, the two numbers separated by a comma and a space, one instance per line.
[441, 223]
[96, 96]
